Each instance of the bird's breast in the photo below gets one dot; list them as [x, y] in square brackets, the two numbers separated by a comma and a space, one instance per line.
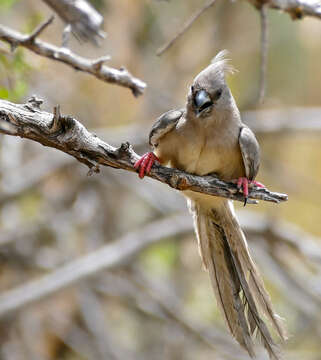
[198, 152]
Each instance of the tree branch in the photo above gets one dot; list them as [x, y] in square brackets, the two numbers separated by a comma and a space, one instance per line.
[107, 257]
[264, 52]
[68, 135]
[185, 27]
[283, 121]
[296, 8]
[119, 252]
[94, 67]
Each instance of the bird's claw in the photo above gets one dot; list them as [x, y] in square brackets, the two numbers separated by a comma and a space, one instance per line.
[145, 163]
[244, 184]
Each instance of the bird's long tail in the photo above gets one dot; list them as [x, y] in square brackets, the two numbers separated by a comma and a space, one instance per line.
[237, 284]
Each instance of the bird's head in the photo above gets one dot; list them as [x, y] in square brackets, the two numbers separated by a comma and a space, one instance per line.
[209, 91]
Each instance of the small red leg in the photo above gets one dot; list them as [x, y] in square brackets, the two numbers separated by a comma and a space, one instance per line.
[258, 184]
[244, 184]
[138, 162]
[239, 183]
[145, 163]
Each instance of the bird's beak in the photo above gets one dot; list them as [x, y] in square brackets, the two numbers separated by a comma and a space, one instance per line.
[201, 100]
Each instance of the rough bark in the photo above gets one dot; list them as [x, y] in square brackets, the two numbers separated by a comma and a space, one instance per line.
[68, 135]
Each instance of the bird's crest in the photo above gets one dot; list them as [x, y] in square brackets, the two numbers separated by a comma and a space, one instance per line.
[222, 63]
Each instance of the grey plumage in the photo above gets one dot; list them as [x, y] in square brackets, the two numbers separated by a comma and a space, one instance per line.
[207, 137]
[250, 152]
[163, 125]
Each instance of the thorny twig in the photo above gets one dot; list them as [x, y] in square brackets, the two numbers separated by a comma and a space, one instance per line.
[39, 29]
[94, 67]
[68, 135]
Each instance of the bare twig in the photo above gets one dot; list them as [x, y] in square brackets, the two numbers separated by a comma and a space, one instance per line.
[94, 67]
[264, 52]
[92, 313]
[296, 8]
[107, 257]
[185, 27]
[282, 234]
[142, 294]
[120, 252]
[70, 136]
[38, 30]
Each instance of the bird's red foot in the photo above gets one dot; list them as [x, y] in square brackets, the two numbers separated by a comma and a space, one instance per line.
[145, 163]
[244, 184]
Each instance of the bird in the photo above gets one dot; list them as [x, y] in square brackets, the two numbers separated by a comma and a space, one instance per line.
[208, 137]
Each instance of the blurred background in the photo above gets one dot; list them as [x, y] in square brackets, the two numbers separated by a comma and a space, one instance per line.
[59, 226]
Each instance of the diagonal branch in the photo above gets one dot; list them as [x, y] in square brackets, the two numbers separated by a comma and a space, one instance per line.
[185, 27]
[296, 8]
[94, 67]
[68, 135]
[39, 29]
[108, 257]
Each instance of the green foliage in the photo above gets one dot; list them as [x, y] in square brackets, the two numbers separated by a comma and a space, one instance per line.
[33, 21]
[99, 5]
[4, 93]
[7, 4]
[29, 205]
[13, 74]
[147, 28]
[160, 258]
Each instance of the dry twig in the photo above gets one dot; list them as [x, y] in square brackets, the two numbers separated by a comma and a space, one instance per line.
[142, 294]
[264, 52]
[107, 257]
[296, 8]
[70, 136]
[121, 251]
[185, 27]
[94, 67]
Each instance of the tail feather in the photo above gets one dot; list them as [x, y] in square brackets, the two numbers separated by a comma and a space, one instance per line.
[224, 282]
[255, 281]
[255, 321]
[237, 285]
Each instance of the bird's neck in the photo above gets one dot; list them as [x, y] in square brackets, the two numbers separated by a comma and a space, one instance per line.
[219, 119]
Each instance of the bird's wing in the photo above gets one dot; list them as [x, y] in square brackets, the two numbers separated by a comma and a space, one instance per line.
[164, 124]
[250, 152]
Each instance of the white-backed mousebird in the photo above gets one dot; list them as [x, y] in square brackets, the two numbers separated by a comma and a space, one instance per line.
[207, 137]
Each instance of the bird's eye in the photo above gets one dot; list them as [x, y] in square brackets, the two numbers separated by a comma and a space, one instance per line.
[218, 94]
